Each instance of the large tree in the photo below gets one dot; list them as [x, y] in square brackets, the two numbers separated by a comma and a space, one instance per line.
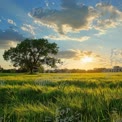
[32, 53]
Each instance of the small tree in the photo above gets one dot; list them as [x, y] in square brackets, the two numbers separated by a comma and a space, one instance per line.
[32, 53]
[41, 69]
[1, 69]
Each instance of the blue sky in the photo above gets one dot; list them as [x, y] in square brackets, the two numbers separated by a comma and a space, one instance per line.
[83, 29]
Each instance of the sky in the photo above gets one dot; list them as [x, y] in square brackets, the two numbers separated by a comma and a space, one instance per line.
[88, 32]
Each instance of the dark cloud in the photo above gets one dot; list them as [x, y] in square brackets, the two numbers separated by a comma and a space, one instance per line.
[77, 17]
[76, 54]
[67, 54]
[69, 4]
[88, 53]
[71, 17]
[9, 37]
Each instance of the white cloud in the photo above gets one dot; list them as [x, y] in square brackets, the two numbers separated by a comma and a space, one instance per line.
[101, 32]
[67, 38]
[28, 28]
[10, 21]
[109, 16]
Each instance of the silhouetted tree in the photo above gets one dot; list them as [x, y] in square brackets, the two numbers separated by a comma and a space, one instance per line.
[32, 53]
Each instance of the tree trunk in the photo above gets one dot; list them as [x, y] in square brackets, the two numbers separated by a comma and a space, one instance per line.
[31, 70]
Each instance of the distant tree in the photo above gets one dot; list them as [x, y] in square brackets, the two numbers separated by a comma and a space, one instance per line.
[32, 53]
[1, 69]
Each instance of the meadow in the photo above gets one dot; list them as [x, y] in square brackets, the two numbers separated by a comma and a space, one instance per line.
[61, 97]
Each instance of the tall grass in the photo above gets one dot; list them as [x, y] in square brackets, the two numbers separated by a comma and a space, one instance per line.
[74, 97]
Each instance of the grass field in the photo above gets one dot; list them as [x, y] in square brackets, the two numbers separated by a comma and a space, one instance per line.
[86, 97]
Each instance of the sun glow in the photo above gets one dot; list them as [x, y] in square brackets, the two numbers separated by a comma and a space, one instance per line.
[87, 59]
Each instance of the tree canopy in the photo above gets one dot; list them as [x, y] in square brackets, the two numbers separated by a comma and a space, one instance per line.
[32, 53]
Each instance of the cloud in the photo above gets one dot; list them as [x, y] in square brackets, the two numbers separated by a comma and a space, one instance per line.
[28, 28]
[76, 54]
[8, 43]
[75, 17]
[9, 38]
[109, 16]
[10, 21]
[69, 54]
[72, 17]
[68, 4]
[67, 38]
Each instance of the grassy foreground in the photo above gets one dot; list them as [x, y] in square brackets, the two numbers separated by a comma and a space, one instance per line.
[88, 97]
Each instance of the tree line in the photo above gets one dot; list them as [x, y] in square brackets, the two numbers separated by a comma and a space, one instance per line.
[54, 70]
[31, 55]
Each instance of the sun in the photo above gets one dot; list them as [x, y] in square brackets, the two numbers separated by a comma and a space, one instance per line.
[87, 59]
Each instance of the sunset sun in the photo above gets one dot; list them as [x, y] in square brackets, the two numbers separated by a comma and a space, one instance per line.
[87, 59]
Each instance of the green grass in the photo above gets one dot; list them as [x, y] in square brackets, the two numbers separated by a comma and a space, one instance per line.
[92, 97]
